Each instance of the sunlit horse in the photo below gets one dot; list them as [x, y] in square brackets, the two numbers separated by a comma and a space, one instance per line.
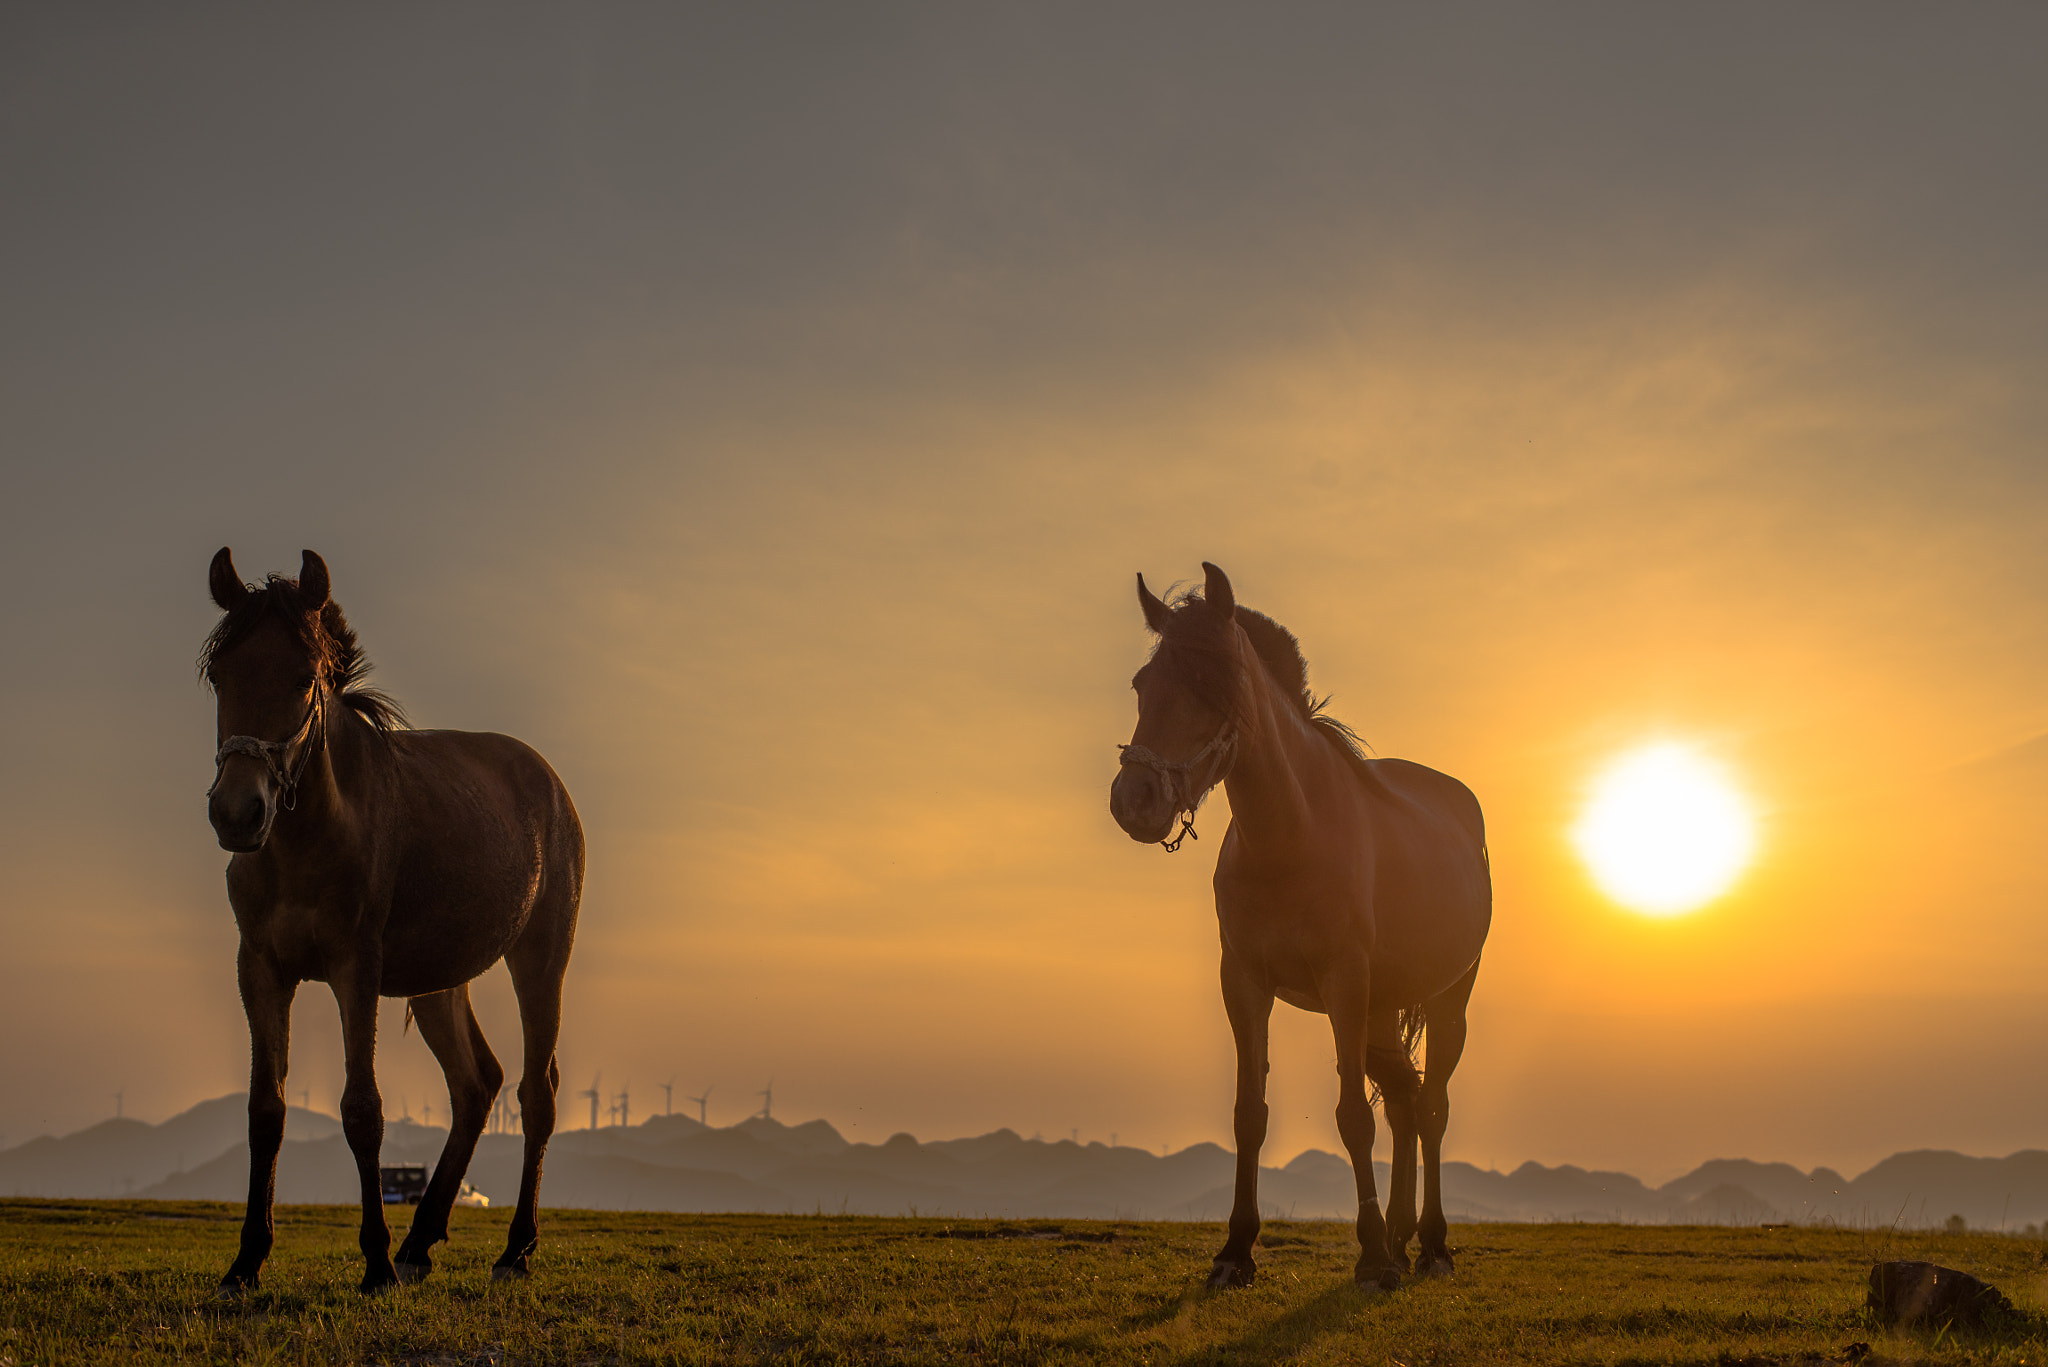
[381, 861]
[1351, 886]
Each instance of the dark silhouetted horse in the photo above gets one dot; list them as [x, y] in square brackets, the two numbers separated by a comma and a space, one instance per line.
[380, 861]
[1352, 886]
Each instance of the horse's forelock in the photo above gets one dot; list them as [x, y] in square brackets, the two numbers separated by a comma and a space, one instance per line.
[326, 635]
[277, 596]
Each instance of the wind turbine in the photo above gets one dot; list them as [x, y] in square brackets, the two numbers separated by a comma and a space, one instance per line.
[768, 1100]
[668, 1098]
[117, 1105]
[593, 1094]
[700, 1100]
[625, 1100]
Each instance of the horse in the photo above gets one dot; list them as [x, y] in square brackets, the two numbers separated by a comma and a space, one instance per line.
[1350, 886]
[381, 861]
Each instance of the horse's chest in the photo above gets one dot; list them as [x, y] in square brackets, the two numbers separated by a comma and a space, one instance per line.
[1292, 964]
[304, 938]
[1294, 951]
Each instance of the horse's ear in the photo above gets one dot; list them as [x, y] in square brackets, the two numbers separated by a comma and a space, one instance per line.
[313, 585]
[1156, 612]
[223, 583]
[1216, 593]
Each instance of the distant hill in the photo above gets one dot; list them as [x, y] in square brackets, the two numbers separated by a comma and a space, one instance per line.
[674, 1163]
[122, 1157]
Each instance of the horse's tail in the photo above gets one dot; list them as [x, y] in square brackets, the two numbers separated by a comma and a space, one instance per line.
[1414, 1020]
[1391, 1068]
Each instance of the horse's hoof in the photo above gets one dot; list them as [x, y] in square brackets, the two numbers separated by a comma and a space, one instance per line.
[1377, 1281]
[1228, 1272]
[408, 1273]
[1435, 1266]
[379, 1281]
[233, 1289]
[505, 1272]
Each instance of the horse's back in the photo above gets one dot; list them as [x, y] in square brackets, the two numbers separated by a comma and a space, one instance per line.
[483, 779]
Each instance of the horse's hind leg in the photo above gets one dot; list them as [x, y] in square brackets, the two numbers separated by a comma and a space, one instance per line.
[1346, 991]
[1446, 1047]
[1392, 1071]
[537, 963]
[448, 1025]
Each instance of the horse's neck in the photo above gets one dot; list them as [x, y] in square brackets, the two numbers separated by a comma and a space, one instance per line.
[1275, 772]
[337, 775]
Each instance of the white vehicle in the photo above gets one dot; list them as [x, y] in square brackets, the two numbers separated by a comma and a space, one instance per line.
[470, 1196]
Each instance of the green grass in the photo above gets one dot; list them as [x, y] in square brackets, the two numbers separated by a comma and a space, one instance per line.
[110, 1281]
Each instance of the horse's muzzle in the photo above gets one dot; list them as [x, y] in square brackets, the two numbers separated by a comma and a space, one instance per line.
[1142, 805]
[241, 818]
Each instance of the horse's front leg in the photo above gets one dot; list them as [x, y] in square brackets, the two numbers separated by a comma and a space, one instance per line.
[1347, 995]
[1249, 1003]
[362, 1112]
[267, 999]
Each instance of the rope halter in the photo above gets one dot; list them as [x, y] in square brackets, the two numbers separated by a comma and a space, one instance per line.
[1186, 794]
[275, 755]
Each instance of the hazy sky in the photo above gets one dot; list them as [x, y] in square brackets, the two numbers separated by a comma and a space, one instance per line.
[762, 410]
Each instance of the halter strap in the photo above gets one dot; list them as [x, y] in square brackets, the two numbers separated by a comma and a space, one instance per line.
[275, 753]
[1179, 777]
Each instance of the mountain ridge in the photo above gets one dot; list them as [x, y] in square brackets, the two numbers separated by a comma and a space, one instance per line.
[675, 1163]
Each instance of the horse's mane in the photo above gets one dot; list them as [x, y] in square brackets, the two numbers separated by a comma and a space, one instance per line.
[1190, 633]
[328, 636]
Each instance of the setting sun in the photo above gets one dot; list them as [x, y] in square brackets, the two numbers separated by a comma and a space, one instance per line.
[1665, 830]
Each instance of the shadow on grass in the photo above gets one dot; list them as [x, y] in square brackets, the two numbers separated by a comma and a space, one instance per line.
[1170, 1308]
[1290, 1334]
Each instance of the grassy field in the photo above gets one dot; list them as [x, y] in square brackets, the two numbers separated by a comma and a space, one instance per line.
[109, 1281]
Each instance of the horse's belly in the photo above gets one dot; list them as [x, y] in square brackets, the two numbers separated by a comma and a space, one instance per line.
[415, 976]
[1413, 949]
[1431, 925]
[1301, 998]
[432, 947]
